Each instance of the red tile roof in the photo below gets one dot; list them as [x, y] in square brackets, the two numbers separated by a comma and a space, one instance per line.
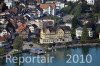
[44, 6]
[21, 27]
[38, 1]
[3, 38]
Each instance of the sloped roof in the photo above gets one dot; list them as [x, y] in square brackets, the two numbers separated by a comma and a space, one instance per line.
[45, 6]
[21, 27]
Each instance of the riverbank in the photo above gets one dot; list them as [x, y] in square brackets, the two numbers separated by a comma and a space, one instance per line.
[69, 45]
[76, 45]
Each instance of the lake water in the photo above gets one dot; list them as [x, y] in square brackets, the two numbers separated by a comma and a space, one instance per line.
[64, 57]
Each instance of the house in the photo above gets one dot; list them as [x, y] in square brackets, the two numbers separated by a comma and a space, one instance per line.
[2, 21]
[24, 34]
[55, 35]
[48, 8]
[90, 32]
[4, 14]
[69, 24]
[31, 28]
[99, 35]
[72, 0]
[48, 22]
[2, 38]
[40, 23]
[8, 3]
[79, 31]
[90, 2]
[67, 18]
[21, 28]
[4, 32]
[98, 21]
[59, 5]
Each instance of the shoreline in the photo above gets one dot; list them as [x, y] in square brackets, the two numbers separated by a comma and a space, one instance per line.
[77, 45]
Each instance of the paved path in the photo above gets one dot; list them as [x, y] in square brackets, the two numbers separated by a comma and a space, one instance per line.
[26, 45]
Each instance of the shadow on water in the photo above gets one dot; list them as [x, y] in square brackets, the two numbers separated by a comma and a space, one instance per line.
[85, 51]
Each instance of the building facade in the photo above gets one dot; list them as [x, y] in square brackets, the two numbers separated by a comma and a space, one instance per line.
[79, 31]
[90, 2]
[48, 8]
[58, 35]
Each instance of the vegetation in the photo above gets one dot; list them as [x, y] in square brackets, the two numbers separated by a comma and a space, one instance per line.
[2, 51]
[3, 5]
[35, 40]
[69, 8]
[85, 35]
[96, 7]
[98, 29]
[18, 43]
[74, 26]
[77, 10]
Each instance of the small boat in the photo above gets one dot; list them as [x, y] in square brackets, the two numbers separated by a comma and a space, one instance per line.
[37, 51]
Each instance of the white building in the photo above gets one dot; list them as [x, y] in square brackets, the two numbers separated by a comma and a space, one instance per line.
[73, 0]
[60, 5]
[48, 8]
[2, 21]
[4, 32]
[99, 35]
[98, 21]
[79, 31]
[69, 25]
[8, 3]
[90, 2]
[31, 29]
[41, 23]
[90, 32]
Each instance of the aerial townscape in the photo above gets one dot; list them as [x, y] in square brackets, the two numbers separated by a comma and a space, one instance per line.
[25, 24]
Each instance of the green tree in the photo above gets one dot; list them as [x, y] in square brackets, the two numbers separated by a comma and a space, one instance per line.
[66, 10]
[2, 51]
[77, 11]
[98, 29]
[74, 26]
[96, 6]
[85, 34]
[84, 6]
[18, 43]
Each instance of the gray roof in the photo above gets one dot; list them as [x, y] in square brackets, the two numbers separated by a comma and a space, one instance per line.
[67, 18]
[79, 28]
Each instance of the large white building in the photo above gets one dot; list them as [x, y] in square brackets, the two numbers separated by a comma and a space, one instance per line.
[79, 31]
[90, 2]
[73, 0]
[8, 3]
